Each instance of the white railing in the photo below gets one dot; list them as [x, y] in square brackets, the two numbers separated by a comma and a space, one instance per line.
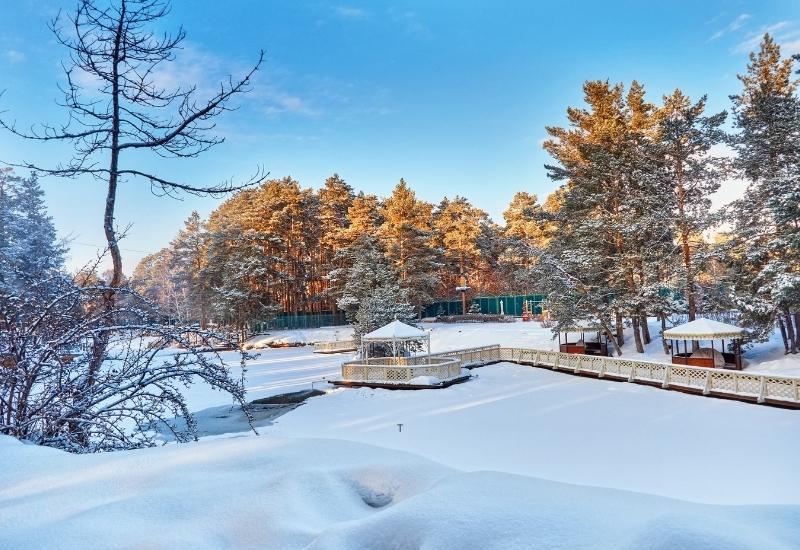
[335, 347]
[443, 368]
[707, 380]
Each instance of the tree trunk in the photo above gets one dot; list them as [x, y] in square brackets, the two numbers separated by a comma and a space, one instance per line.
[100, 341]
[791, 335]
[783, 335]
[796, 317]
[688, 266]
[663, 319]
[645, 329]
[618, 325]
[637, 334]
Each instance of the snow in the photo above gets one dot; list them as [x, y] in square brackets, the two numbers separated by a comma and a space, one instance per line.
[283, 370]
[265, 492]
[704, 328]
[425, 381]
[298, 337]
[517, 457]
[540, 423]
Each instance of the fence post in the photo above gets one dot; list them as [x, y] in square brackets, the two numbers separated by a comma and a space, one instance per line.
[602, 372]
[707, 387]
[632, 374]
[762, 392]
[665, 383]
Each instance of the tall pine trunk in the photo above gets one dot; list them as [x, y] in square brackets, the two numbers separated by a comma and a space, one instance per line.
[782, 329]
[620, 328]
[796, 317]
[637, 334]
[645, 329]
[791, 334]
[663, 319]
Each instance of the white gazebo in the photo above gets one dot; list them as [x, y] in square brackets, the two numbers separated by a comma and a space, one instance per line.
[400, 368]
[399, 336]
[701, 330]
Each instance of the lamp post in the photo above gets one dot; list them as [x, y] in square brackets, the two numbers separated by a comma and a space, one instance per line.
[463, 288]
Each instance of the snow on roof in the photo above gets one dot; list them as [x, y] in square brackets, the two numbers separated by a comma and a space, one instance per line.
[586, 325]
[703, 329]
[396, 331]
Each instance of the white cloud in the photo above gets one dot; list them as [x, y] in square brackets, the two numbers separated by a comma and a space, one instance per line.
[734, 25]
[781, 31]
[278, 102]
[349, 12]
[15, 56]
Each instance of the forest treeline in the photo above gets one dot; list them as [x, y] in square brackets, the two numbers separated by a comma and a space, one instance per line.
[629, 234]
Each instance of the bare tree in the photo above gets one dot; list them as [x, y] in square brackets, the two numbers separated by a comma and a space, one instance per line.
[112, 46]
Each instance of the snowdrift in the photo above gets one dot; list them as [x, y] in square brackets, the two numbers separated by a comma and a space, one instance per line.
[298, 337]
[259, 492]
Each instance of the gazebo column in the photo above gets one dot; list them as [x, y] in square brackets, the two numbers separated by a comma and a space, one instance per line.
[713, 359]
[429, 347]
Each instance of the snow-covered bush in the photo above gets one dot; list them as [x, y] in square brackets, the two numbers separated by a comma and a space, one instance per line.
[74, 373]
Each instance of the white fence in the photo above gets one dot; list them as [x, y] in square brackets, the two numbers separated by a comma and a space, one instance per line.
[403, 371]
[337, 346]
[708, 381]
[444, 366]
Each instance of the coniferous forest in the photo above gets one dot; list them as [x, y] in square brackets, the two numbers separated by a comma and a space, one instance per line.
[629, 234]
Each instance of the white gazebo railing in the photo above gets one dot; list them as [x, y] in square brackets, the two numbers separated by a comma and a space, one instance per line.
[401, 369]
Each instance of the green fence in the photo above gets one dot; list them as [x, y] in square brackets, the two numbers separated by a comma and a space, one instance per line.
[299, 321]
[511, 305]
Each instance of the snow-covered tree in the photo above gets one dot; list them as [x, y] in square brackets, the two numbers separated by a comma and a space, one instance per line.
[407, 235]
[383, 305]
[613, 222]
[686, 138]
[764, 245]
[365, 270]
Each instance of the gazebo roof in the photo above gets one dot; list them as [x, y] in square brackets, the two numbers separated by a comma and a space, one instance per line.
[583, 326]
[395, 330]
[703, 329]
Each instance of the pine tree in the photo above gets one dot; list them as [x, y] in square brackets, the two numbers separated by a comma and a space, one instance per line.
[187, 264]
[613, 218]
[383, 305]
[364, 269]
[765, 240]
[364, 217]
[335, 200]
[28, 240]
[686, 138]
[407, 235]
[458, 227]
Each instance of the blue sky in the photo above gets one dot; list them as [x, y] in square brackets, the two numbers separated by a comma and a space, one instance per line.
[451, 96]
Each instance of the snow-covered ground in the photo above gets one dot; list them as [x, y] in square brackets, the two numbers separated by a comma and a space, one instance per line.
[539, 423]
[282, 370]
[299, 337]
[519, 457]
[264, 492]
